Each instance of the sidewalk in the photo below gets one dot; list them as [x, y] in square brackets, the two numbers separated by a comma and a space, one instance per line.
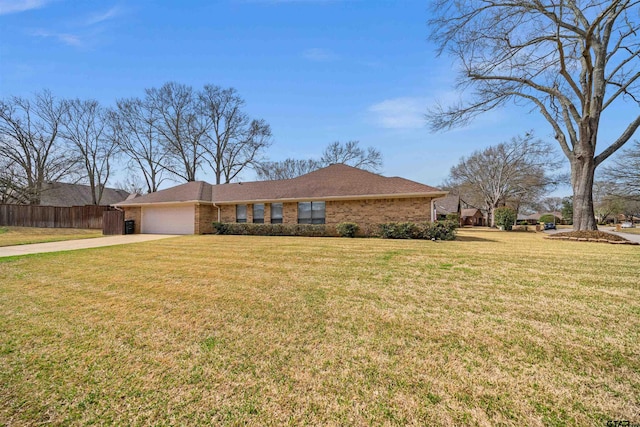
[71, 245]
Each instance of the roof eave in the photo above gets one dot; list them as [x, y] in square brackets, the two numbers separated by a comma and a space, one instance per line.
[177, 202]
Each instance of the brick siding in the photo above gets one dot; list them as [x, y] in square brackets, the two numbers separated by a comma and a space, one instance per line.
[377, 211]
[373, 211]
[204, 217]
[134, 213]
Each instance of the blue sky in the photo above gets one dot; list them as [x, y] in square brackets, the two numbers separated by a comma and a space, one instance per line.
[317, 71]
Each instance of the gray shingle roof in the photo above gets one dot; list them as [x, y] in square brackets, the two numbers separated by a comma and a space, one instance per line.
[465, 213]
[333, 182]
[195, 191]
[65, 194]
[448, 204]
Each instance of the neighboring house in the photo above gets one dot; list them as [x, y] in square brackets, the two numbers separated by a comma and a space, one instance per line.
[448, 205]
[533, 219]
[473, 216]
[331, 195]
[452, 204]
[63, 194]
[624, 218]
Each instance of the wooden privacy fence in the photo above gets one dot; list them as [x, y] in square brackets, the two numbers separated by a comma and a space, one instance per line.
[112, 222]
[89, 216]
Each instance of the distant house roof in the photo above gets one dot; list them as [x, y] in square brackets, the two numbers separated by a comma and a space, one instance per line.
[331, 183]
[65, 194]
[470, 212]
[537, 215]
[450, 204]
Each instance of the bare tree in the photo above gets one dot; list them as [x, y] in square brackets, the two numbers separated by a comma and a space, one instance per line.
[180, 126]
[232, 140]
[631, 208]
[550, 204]
[351, 154]
[132, 184]
[12, 185]
[571, 60]
[606, 202]
[135, 122]
[86, 125]
[181, 131]
[508, 173]
[625, 172]
[335, 153]
[286, 169]
[30, 141]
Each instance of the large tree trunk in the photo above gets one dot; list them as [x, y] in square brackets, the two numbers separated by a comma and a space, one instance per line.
[491, 218]
[582, 172]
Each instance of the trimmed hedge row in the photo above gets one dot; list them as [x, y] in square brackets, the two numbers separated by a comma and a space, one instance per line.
[250, 229]
[442, 230]
[347, 229]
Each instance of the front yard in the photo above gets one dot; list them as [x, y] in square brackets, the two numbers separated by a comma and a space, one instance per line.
[10, 236]
[494, 328]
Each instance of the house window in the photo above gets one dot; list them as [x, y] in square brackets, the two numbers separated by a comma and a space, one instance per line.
[276, 213]
[311, 212]
[258, 213]
[241, 213]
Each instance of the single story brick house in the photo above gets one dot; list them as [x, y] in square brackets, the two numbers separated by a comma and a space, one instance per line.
[331, 195]
[473, 216]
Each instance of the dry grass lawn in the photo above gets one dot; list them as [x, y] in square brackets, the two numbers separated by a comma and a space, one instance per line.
[10, 236]
[493, 329]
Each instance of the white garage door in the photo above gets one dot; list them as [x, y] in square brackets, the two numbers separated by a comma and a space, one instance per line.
[168, 220]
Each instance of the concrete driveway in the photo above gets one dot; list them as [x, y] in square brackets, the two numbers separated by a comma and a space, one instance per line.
[71, 245]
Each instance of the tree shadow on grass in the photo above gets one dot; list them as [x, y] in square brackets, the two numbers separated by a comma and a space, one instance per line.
[473, 239]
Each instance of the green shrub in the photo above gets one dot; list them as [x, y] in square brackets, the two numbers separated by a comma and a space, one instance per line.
[250, 229]
[453, 217]
[548, 218]
[219, 228]
[347, 229]
[441, 230]
[505, 217]
[398, 230]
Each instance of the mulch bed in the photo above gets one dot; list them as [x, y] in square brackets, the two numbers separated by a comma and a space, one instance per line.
[591, 236]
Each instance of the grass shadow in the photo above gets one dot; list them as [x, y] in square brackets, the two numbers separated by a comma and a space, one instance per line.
[473, 239]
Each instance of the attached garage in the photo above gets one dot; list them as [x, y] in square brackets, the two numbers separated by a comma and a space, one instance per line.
[168, 219]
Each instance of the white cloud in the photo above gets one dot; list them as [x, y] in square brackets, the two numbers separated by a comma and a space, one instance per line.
[103, 16]
[83, 32]
[319, 55]
[400, 113]
[66, 38]
[411, 112]
[15, 6]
